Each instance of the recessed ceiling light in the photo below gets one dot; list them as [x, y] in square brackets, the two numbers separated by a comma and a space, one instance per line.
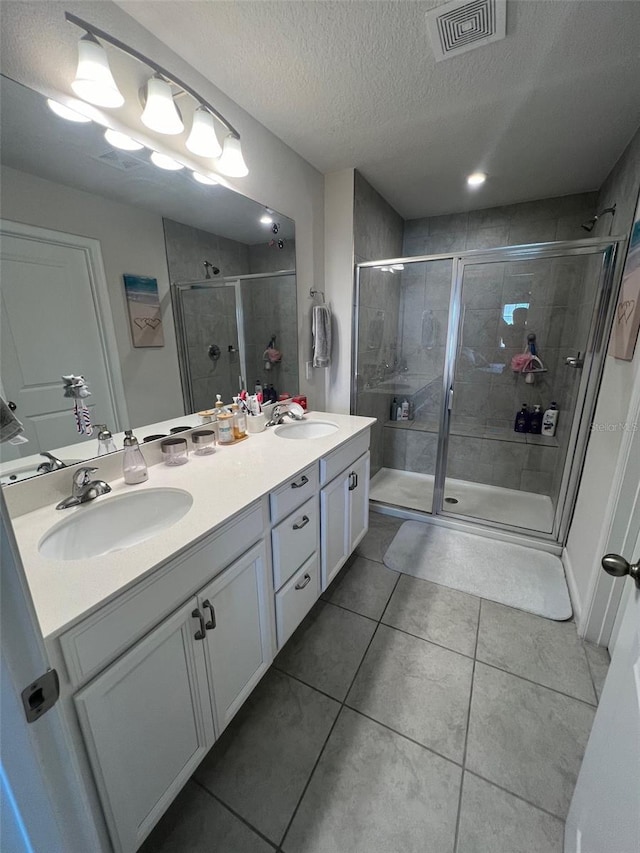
[66, 112]
[122, 141]
[265, 219]
[164, 162]
[203, 179]
[476, 179]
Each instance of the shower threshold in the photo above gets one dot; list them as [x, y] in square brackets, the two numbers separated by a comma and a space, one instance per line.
[489, 503]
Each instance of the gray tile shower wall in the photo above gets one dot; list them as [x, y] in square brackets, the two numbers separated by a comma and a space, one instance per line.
[188, 247]
[266, 258]
[378, 233]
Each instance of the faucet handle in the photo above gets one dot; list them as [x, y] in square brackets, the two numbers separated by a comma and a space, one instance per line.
[82, 476]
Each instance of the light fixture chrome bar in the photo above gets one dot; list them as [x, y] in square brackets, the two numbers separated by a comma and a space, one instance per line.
[131, 51]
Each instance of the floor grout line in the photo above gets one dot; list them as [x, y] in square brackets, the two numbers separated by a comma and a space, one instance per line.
[335, 722]
[234, 813]
[591, 705]
[513, 794]
[593, 681]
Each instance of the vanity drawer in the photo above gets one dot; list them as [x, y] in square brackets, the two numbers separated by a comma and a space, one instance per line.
[294, 492]
[296, 599]
[294, 540]
[340, 458]
[89, 646]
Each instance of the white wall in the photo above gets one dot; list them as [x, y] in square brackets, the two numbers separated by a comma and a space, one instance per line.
[338, 286]
[39, 48]
[132, 241]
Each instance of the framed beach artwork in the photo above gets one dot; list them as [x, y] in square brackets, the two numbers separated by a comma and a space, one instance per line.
[626, 322]
[143, 303]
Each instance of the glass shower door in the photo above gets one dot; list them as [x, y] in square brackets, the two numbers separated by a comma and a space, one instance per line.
[512, 307]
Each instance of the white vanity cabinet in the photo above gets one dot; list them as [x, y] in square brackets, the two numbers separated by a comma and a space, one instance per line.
[344, 512]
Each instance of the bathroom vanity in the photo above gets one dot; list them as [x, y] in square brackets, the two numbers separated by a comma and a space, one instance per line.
[157, 645]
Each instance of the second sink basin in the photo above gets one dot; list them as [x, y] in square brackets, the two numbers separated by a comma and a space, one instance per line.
[119, 522]
[305, 429]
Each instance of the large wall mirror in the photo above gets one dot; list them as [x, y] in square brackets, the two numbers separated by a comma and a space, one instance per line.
[78, 216]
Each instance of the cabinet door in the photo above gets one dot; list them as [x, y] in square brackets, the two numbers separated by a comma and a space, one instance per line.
[334, 525]
[238, 638]
[147, 724]
[359, 501]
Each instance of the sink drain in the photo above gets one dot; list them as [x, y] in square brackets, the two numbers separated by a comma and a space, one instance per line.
[451, 500]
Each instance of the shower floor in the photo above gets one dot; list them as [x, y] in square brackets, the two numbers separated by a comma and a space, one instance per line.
[490, 503]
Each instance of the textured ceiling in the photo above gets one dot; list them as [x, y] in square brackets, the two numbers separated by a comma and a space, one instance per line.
[545, 112]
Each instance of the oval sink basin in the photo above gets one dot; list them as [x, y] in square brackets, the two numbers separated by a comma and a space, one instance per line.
[119, 522]
[306, 429]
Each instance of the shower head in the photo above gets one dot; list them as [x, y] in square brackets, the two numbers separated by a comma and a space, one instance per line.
[589, 224]
[209, 268]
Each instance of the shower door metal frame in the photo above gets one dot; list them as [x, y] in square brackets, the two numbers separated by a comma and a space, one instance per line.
[602, 320]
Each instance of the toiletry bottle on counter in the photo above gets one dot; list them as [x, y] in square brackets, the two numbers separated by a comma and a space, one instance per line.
[535, 421]
[405, 410]
[550, 420]
[134, 467]
[393, 414]
[106, 444]
[225, 428]
[522, 420]
[239, 420]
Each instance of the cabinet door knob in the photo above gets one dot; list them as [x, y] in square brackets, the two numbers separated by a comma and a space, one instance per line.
[307, 580]
[303, 523]
[303, 482]
[197, 614]
[211, 624]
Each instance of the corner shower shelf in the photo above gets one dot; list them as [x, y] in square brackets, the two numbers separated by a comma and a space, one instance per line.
[491, 433]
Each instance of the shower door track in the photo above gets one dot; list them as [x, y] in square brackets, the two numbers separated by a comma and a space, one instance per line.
[609, 281]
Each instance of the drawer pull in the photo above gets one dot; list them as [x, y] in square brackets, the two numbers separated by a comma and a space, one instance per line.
[212, 622]
[353, 481]
[303, 523]
[307, 580]
[197, 614]
[303, 482]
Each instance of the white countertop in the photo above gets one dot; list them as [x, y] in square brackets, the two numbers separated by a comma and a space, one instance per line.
[222, 484]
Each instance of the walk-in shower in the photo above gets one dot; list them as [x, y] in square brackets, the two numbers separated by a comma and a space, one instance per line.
[438, 333]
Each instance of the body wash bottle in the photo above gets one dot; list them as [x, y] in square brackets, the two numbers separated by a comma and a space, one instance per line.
[134, 467]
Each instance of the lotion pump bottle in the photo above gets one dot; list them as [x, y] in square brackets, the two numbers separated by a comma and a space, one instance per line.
[134, 467]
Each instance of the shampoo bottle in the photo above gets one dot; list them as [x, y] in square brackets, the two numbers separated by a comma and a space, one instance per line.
[535, 422]
[550, 420]
[522, 420]
[405, 409]
[134, 467]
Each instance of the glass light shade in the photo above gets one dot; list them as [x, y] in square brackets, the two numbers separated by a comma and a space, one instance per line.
[160, 112]
[94, 81]
[122, 141]
[476, 179]
[231, 162]
[265, 219]
[203, 140]
[164, 162]
[203, 179]
[64, 111]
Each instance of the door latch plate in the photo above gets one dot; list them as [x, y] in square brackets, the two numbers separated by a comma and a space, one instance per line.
[41, 695]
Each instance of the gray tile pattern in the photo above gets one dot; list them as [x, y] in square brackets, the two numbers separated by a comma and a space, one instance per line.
[493, 820]
[376, 792]
[261, 764]
[547, 652]
[599, 660]
[527, 738]
[382, 529]
[327, 649]
[364, 586]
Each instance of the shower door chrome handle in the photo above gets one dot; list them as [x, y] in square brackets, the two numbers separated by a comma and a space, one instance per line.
[574, 361]
[450, 399]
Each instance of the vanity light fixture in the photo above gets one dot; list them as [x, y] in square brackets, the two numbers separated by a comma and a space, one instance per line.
[204, 179]
[94, 81]
[160, 112]
[231, 161]
[203, 140]
[164, 162]
[122, 141]
[476, 179]
[265, 219]
[66, 112]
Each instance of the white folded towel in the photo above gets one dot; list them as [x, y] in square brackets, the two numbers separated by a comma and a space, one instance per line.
[321, 327]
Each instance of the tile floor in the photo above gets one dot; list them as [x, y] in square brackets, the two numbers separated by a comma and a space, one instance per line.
[401, 717]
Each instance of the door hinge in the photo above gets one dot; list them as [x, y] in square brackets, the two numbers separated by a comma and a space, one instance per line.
[40, 695]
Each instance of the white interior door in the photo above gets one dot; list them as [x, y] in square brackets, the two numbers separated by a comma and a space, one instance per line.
[51, 324]
[605, 811]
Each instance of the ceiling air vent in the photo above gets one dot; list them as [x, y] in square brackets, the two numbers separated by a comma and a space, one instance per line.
[120, 160]
[461, 26]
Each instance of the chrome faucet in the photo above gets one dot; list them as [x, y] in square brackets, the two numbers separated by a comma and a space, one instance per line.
[278, 413]
[84, 489]
[54, 464]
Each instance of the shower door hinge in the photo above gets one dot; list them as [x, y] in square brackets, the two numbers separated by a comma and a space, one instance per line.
[40, 695]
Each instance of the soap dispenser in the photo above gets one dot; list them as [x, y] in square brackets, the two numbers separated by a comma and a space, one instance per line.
[134, 467]
[106, 444]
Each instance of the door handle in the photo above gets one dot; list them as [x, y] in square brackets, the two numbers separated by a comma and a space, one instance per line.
[303, 523]
[197, 614]
[307, 580]
[450, 399]
[618, 567]
[303, 482]
[574, 361]
[211, 624]
[353, 481]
